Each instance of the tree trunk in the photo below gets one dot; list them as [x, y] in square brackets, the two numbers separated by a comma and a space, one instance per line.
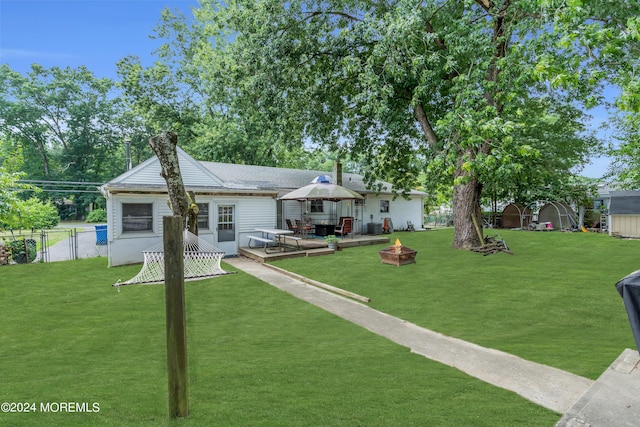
[164, 145]
[192, 222]
[466, 205]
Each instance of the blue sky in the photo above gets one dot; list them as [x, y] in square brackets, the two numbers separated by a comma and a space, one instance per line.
[95, 33]
[98, 33]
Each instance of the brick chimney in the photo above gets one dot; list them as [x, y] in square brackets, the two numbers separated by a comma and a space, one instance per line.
[337, 172]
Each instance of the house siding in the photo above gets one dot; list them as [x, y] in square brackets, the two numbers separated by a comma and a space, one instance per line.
[126, 248]
[291, 210]
[193, 174]
[252, 213]
[400, 211]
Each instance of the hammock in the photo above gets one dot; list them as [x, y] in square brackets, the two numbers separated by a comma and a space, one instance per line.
[201, 260]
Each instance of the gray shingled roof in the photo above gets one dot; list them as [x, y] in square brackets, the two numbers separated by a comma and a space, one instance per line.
[625, 202]
[280, 179]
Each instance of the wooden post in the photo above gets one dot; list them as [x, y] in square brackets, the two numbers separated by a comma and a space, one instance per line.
[475, 224]
[176, 318]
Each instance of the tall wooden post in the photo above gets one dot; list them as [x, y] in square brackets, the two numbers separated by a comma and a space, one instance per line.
[176, 318]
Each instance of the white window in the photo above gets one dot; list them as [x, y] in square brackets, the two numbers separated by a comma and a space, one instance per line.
[137, 217]
[203, 216]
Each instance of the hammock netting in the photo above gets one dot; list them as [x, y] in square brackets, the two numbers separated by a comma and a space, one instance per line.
[201, 260]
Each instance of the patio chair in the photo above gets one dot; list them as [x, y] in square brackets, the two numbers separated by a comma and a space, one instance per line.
[304, 228]
[292, 227]
[345, 227]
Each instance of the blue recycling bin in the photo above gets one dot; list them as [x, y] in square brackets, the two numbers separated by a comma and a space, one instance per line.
[101, 234]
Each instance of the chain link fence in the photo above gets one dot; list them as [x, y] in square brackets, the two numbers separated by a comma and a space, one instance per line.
[57, 244]
[438, 220]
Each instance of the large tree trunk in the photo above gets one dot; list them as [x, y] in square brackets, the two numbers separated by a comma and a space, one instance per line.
[164, 145]
[466, 206]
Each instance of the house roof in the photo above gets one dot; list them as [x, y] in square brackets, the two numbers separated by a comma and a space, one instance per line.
[201, 175]
[281, 179]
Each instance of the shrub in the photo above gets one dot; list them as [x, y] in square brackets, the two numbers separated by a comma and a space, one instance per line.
[22, 251]
[33, 213]
[97, 215]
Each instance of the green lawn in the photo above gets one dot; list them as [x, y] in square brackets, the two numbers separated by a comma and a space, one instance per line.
[554, 301]
[259, 357]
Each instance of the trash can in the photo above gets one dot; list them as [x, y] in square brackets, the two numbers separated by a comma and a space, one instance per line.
[101, 234]
[629, 290]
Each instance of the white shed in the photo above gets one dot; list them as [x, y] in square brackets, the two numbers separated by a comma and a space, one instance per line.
[624, 214]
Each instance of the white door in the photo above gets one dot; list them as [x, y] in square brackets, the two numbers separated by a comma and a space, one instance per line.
[226, 228]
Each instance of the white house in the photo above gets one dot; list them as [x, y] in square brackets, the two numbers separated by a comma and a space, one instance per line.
[234, 200]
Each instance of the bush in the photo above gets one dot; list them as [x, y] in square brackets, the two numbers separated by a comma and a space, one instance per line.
[23, 251]
[31, 213]
[97, 215]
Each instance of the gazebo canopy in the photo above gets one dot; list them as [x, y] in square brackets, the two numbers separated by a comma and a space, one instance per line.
[322, 189]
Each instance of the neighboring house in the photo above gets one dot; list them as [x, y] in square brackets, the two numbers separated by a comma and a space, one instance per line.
[234, 200]
[624, 213]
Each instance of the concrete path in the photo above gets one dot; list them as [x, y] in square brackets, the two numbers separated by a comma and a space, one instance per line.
[549, 387]
[614, 399]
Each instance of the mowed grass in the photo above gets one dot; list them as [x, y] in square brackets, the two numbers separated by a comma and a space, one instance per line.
[553, 301]
[259, 357]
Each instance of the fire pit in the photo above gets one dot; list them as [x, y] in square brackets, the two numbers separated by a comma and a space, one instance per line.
[398, 255]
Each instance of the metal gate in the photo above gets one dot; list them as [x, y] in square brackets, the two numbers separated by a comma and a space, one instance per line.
[53, 245]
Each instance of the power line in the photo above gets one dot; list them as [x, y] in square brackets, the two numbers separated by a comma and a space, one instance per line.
[62, 186]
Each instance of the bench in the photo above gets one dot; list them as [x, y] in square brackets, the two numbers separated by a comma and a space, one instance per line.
[295, 239]
[264, 240]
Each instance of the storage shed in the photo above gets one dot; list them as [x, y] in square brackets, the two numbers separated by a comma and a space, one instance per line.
[624, 214]
[559, 214]
[516, 215]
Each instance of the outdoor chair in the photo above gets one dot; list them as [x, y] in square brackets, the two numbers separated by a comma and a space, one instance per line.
[345, 227]
[292, 227]
[304, 228]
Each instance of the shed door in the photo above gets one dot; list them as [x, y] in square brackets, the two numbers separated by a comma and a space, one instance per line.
[226, 228]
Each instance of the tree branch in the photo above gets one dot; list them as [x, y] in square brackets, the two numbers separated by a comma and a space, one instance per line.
[438, 41]
[164, 146]
[485, 4]
[422, 118]
[312, 15]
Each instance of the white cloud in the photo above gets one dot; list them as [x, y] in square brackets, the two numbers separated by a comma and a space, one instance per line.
[6, 54]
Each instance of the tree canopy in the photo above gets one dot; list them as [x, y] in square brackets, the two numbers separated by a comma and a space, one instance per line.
[67, 123]
[477, 93]
[487, 97]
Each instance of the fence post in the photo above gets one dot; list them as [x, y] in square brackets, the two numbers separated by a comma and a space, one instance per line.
[175, 317]
[43, 246]
[75, 243]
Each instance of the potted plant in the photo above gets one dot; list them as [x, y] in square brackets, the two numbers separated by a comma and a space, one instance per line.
[332, 241]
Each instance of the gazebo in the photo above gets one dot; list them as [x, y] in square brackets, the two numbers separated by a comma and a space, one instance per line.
[321, 188]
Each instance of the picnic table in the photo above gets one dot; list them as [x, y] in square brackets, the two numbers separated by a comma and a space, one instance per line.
[275, 238]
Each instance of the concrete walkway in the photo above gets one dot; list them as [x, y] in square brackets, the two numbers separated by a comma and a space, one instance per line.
[612, 401]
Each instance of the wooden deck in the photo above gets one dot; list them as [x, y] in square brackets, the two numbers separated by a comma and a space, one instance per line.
[312, 247]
